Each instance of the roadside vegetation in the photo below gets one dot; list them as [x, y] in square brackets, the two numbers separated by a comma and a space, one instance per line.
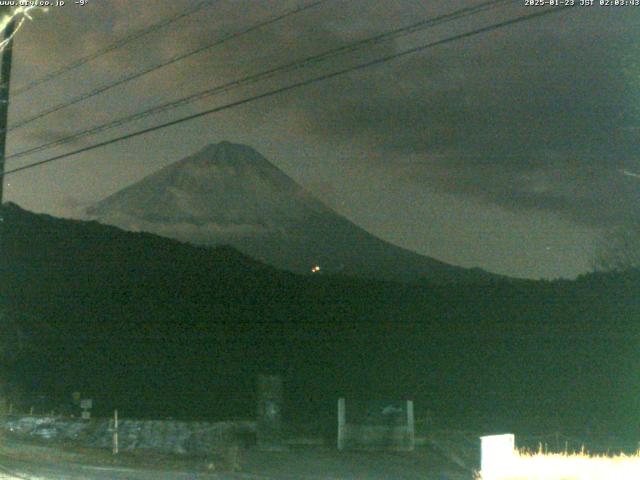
[567, 466]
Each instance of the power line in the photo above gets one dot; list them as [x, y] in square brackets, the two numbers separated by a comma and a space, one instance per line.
[5, 73]
[293, 86]
[166, 63]
[114, 46]
[305, 62]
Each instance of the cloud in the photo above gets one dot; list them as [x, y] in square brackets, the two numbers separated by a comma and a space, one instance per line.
[540, 115]
[527, 119]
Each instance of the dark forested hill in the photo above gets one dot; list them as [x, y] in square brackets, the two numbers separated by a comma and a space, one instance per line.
[156, 327]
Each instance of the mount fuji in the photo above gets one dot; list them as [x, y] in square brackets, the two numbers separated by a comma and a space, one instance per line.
[230, 194]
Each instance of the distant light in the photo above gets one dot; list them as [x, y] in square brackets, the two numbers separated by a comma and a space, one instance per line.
[315, 269]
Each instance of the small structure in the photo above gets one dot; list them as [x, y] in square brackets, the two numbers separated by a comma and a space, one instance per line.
[86, 404]
[376, 425]
[269, 422]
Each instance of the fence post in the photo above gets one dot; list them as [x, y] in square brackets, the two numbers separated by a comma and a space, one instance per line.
[342, 421]
[115, 432]
[411, 432]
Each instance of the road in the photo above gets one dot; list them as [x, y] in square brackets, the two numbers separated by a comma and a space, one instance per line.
[299, 465]
[440, 456]
[305, 464]
[11, 469]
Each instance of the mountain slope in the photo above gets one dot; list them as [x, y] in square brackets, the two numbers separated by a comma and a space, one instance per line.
[230, 194]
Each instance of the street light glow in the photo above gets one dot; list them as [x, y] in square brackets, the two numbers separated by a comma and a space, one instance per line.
[20, 14]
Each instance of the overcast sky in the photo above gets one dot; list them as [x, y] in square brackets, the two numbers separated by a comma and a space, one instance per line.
[513, 150]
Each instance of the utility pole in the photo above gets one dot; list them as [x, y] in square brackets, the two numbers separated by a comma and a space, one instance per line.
[5, 79]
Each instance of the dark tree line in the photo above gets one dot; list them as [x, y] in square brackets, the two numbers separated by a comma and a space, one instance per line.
[619, 250]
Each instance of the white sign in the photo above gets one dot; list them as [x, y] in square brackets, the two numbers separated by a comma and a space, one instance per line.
[498, 452]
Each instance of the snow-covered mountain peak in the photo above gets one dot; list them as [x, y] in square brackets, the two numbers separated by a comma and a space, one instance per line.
[229, 154]
[230, 194]
[225, 161]
[227, 186]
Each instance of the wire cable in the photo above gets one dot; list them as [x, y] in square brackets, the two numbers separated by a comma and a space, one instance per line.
[293, 86]
[269, 73]
[114, 46]
[166, 63]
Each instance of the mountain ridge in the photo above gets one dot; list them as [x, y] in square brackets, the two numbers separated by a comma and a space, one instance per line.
[229, 193]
